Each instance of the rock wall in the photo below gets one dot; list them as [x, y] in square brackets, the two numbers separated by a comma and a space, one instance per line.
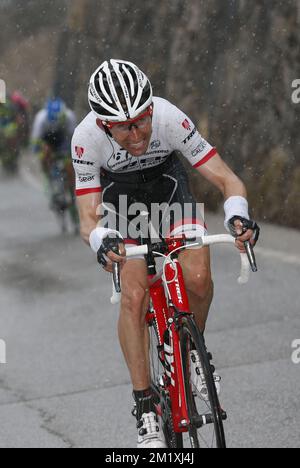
[229, 64]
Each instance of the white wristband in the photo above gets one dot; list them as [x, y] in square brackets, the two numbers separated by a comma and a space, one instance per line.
[235, 206]
[97, 236]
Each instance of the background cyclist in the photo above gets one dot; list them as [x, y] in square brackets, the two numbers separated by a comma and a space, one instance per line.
[10, 134]
[52, 132]
[22, 109]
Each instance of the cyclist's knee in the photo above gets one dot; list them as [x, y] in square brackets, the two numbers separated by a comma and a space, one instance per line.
[200, 283]
[134, 299]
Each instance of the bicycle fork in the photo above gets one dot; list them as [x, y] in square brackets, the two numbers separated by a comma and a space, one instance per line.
[174, 372]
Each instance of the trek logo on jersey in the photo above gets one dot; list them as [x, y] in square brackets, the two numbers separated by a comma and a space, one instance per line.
[186, 125]
[86, 163]
[188, 138]
[79, 151]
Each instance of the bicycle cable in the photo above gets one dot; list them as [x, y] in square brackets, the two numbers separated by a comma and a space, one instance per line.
[168, 257]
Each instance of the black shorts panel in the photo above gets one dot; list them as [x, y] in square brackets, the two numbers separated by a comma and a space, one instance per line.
[166, 197]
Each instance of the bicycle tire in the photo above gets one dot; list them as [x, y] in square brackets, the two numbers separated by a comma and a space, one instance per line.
[191, 338]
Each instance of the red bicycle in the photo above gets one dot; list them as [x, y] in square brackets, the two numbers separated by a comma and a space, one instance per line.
[191, 416]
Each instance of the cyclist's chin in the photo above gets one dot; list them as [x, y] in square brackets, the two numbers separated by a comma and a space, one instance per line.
[138, 149]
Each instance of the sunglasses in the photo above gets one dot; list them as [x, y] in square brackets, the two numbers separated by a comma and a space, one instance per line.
[139, 122]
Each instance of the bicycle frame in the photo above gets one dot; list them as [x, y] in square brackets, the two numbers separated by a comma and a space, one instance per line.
[167, 315]
[168, 306]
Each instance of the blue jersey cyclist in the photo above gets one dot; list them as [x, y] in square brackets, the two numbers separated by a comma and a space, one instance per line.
[51, 137]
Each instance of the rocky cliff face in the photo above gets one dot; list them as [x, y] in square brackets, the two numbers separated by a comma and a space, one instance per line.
[228, 64]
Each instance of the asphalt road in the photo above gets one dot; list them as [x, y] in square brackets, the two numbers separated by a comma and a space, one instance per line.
[65, 383]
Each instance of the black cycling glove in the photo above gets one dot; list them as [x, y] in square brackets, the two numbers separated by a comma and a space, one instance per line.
[110, 243]
[247, 224]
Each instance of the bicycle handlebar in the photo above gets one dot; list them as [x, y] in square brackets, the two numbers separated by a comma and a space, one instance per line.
[247, 260]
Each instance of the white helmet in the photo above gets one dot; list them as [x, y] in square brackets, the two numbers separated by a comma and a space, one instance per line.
[119, 91]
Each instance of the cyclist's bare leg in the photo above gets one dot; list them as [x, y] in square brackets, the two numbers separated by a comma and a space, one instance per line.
[197, 274]
[133, 331]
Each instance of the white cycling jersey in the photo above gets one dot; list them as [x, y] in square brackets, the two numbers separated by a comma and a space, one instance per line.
[93, 149]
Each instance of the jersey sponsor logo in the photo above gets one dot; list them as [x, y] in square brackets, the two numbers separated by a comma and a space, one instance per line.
[201, 147]
[84, 174]
[86, 179]
[150, 162]
[186, 124]
[86, 163]
[190, 136]
[119, 160]
[123, 161]
[155, 144]
[79, 151]
[150, 153]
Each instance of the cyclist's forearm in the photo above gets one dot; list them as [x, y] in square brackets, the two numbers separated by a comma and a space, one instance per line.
[85, 232]
[217, 172]
[230, 185]
[89, 215]
[87, 226]
[233, 187]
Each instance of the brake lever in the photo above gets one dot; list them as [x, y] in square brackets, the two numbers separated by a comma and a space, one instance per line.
[117, 277]
[251, 256]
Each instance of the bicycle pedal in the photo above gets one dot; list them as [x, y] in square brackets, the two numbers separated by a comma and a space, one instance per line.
[193, 358]
[134, 411]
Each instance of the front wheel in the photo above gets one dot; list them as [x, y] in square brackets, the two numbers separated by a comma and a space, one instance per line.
[205, 413]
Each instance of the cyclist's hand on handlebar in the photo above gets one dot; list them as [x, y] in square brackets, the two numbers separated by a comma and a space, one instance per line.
[112, 251]
[113, 258]
[244, 230]
[243, 236]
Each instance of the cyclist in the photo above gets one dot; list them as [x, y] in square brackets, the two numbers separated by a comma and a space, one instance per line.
[52, 132]
[22, 111]
[127, 146]
[9, 131]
